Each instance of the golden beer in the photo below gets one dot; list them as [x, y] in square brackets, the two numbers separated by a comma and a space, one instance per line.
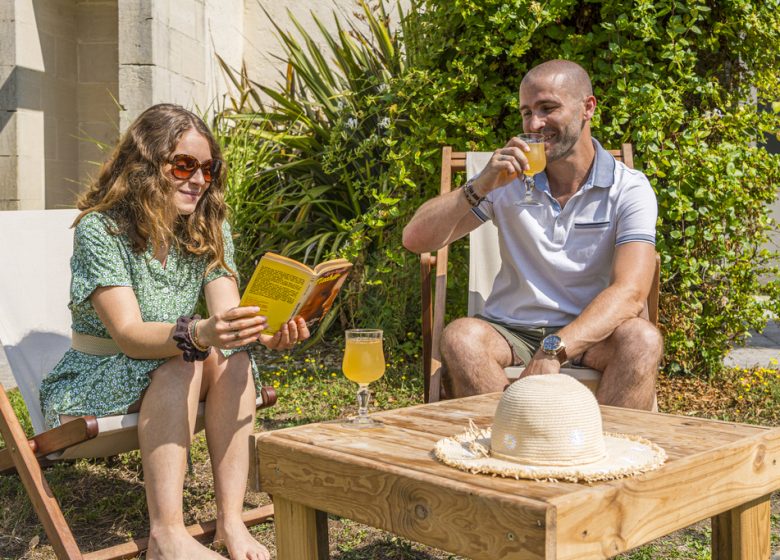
[364, 360]
[536, 159]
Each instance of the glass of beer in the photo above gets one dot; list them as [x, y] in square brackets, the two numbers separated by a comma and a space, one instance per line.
[537, 161]
[364, 362]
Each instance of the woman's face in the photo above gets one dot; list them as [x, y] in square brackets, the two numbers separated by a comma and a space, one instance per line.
[187, 192]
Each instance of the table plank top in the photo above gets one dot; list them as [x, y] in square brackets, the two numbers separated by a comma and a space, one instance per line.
[712, 467]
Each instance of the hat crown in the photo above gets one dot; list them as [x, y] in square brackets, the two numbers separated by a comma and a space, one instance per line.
[548, 420]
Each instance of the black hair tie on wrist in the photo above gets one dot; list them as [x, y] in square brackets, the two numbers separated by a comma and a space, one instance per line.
[184, 342]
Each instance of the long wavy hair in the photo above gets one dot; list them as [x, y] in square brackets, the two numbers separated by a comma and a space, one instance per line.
[132, 189]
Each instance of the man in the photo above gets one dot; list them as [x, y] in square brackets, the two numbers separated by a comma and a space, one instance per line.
[576, 271]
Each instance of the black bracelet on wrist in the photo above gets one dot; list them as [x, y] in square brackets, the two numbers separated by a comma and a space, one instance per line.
[183, 337]
[471, 196]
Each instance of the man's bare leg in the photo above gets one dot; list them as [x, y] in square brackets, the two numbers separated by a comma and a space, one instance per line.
[628, 360]
[474, 356]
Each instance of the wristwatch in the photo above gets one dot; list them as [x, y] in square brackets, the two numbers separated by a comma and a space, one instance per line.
[552, 345]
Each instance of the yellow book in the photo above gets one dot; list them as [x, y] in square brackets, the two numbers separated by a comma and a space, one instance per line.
[284, 288]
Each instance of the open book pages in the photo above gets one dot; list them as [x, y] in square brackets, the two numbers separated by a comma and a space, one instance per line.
[284, 288]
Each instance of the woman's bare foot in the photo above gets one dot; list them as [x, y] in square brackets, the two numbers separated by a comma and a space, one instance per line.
[175, 543]
[240, 543]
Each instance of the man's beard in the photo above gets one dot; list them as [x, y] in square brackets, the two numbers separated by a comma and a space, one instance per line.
[566, 140]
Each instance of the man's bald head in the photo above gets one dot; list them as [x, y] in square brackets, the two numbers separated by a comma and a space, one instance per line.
[571, 75]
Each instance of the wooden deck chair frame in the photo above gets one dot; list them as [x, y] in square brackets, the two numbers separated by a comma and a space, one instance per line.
[433, 280]
[35, 332]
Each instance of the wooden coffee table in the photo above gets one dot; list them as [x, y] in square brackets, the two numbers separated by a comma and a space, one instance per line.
[387, 478]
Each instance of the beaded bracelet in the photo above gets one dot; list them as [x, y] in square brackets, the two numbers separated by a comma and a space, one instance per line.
[184, 342]
[471, 196]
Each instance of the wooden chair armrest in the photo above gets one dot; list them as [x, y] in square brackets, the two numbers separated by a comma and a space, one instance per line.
[268, 393]
[56, 439]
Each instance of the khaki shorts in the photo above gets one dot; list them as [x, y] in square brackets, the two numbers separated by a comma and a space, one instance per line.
[524, 341]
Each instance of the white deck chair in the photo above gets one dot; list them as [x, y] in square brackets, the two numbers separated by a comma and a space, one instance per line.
[35, 332]
[484, 262]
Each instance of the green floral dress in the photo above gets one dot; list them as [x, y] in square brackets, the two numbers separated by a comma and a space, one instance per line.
[82, 383]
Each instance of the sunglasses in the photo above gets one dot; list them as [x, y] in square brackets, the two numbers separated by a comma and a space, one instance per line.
[184, 166]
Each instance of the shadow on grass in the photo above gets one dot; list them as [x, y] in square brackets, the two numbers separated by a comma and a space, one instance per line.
[390, 548]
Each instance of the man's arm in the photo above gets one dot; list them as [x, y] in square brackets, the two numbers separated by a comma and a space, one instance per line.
[623, 299]
[439, 222]
[448, 217]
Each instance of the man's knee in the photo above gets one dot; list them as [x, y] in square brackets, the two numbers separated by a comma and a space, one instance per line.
[639, 335]
[462, 337]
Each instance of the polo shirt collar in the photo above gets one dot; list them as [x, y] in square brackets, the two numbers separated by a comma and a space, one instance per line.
[602, 174]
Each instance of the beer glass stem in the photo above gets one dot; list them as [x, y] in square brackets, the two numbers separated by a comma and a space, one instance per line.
[363, 396]
[529, 185]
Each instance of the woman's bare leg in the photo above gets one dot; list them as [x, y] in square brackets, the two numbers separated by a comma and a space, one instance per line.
[229, 391]
[165, 426]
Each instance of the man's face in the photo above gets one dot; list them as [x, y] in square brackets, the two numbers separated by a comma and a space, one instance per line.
[550, 105]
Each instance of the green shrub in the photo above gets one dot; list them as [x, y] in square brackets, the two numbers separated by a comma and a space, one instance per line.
[682, 81]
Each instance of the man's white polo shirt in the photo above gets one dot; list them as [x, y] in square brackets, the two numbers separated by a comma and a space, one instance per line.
[555, 262]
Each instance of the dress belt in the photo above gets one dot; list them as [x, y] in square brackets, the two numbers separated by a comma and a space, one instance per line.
[95, 345]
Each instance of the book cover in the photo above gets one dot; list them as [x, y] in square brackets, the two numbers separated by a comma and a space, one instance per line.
[284, 288]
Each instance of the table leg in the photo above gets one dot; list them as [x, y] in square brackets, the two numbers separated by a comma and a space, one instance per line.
[742, 533]
[301, 531]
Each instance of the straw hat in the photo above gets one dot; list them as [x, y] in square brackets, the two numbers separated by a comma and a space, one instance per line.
[548, 427]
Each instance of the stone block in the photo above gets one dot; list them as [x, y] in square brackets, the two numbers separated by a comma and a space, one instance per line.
[161, 39]
[28, 49]
[193, 61]
[7, 42]
[50, 134]
[66, 59]
[7, 133]
[9, 199]
[135, 32]
[58, 97]
[56, 17]
[29, 134]
[28, 85]
[98, 102]
[62, 184]
[91, 132]
[8, 88]
[98, 63]
[67, 140]
[163, 88]
[30, 180]
[98, 22]
[186, 17]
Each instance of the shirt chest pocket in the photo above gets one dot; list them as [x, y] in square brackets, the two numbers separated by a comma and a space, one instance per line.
[589, 237]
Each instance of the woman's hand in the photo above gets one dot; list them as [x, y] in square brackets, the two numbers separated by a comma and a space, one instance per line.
[235, 327]
[291, 333]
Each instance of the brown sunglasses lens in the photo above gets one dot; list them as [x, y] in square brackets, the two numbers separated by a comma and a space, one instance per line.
[184, 167]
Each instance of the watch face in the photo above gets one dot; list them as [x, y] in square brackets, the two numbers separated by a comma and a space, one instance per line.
[551, 344]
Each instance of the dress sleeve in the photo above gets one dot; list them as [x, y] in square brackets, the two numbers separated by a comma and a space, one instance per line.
[219, 272]
[98, 259]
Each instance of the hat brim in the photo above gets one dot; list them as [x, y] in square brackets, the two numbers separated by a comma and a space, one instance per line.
[626, 456]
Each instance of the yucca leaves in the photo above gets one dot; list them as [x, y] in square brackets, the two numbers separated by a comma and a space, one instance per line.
[309, 170]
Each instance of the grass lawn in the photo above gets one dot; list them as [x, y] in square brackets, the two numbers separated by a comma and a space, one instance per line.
[104, 501]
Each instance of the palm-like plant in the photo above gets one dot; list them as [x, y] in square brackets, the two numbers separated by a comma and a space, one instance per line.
[310, 175]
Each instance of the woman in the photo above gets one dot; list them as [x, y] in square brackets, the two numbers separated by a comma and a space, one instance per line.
[150, 239]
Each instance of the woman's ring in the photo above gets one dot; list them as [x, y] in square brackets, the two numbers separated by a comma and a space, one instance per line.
[236, 335]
